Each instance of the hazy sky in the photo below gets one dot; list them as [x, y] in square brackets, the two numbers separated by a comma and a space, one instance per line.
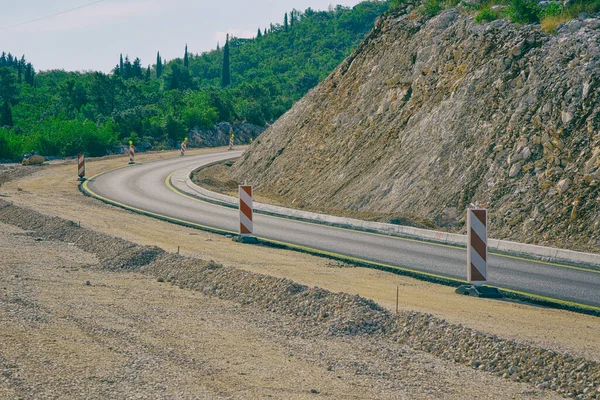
[92, 38]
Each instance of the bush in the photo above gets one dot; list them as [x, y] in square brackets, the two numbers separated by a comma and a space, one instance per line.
[396, 3]
[524, 11]
[487, 14]
[553, 9]
[11, 144]
[432, 7]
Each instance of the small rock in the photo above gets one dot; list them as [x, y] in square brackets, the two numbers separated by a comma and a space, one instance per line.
[514, 170]
[563, 185]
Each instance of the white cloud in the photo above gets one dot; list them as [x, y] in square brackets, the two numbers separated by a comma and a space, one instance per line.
[93, 16]
[220, 36]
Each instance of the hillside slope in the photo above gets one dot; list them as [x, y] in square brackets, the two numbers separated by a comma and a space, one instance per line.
[429, 115]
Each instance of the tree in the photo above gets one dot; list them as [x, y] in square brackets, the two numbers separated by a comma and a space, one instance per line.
[259, 33]
[159, 65]
[226, 76]
[121, 70]
[8, 85]
[136, 69]
[6, 115]
[186, 60]
[29, 74]
[285, 22]
[148, 73]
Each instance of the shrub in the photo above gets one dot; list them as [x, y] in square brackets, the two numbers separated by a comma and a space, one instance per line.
[524, 11]
[487, 14]
[553, 9]
[432, 7]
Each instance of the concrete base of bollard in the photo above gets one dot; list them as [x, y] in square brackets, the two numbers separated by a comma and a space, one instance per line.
[246, 239]
[479, 291]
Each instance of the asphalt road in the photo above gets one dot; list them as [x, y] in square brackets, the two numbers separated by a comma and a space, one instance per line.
[143, 186]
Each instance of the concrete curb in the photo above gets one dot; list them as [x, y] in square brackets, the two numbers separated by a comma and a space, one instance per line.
[182, 182]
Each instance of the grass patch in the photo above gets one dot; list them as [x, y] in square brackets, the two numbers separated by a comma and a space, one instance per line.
[549, 24]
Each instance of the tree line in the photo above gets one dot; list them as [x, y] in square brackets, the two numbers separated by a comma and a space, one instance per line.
[254, 80]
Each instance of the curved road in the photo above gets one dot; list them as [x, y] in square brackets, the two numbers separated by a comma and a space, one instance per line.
[144, 187]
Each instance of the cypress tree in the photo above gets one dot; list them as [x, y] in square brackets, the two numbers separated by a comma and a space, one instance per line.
[285, 22]
[148, 73]
[186, 60]
[259, 33]
[6, 115]
[159, 66]
[121, 65]
[226, 76]
[292, 18]
[19, 72]
[265, 34]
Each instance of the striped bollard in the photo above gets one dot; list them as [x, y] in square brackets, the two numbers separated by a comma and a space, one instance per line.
[184, 146]
[246, 210]
[231, 141]
[477, 255]
[477, 246]
[131, 153]
[81, 167]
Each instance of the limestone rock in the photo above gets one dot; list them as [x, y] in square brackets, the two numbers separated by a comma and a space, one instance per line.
[563, 185]
[427, 111]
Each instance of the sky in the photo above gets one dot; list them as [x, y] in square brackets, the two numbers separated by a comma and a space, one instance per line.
[93, 37]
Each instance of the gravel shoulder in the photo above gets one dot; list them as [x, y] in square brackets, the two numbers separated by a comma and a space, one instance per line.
[136, 315]
[72, 330]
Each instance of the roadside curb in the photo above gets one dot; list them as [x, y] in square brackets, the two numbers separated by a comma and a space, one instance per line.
[181, 181]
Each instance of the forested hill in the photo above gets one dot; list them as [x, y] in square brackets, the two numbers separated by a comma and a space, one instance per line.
[256, 80]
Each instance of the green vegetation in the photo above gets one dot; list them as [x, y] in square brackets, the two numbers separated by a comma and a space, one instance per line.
[58, 113]
[521, 11]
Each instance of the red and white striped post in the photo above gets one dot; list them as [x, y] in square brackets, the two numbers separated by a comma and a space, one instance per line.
[184, 146]
[477, 256]
[131, 153]
[81, 166]
[477, 246]
[231, 141]
[246, 210]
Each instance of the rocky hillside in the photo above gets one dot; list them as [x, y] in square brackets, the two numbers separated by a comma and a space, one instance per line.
[429, 115]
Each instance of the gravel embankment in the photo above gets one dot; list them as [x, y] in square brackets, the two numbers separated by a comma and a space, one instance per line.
[321, 313]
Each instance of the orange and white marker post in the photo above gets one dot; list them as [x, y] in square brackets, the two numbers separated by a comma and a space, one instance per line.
[131, 153]
[477, 246]
[246, 210]
[184, 146]
[81, 167]
[231, 141]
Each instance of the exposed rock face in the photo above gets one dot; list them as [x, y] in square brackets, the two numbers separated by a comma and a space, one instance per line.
[219, 135]
[429, 115]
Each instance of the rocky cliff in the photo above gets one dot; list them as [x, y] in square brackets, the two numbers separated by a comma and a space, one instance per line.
[429, 115]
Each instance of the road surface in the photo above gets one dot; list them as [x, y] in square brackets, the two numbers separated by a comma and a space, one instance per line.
[144, 187]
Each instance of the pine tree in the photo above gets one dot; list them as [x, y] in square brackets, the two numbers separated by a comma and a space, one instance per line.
[29, 74]
[6, 115]
[226, 76]
[159, 65]
[259, 33]
[121, 65]
[186, 60]
[285, 22]
[136, 69]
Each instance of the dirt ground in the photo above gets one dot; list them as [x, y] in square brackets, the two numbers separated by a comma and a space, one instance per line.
[142, 330]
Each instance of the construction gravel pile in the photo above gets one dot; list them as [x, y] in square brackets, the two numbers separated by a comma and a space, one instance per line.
[318, 312]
